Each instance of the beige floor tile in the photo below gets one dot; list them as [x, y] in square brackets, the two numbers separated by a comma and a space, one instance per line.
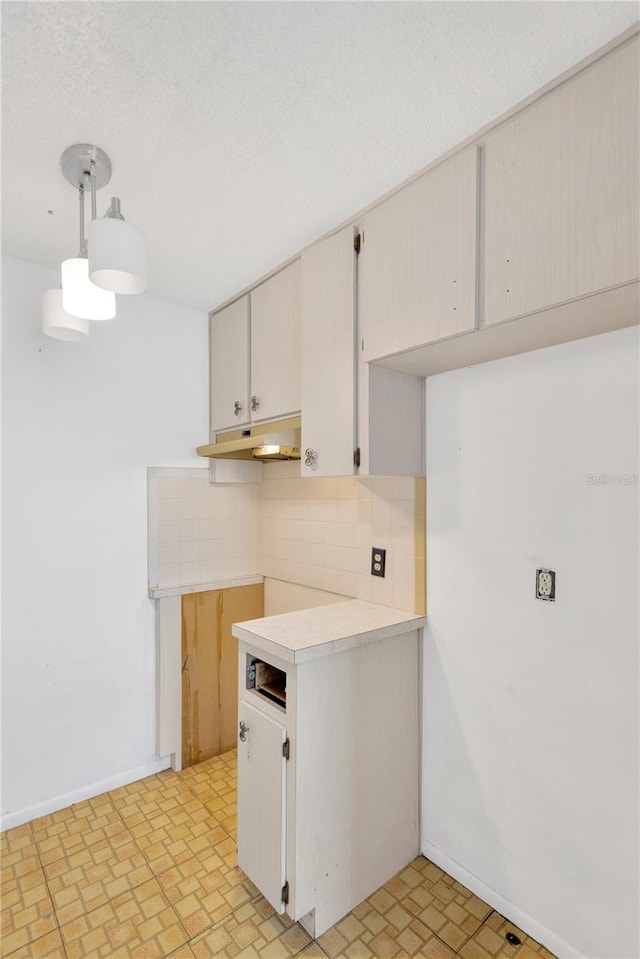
[140, 924]
[380, 927]
[93, 875]
[490, 942]
[252, 930]
[183, 952]
[18, 852]
[442, 904]
[27, 911]
[94, 822]
[163, 793]
[47, 947]
[205, 889]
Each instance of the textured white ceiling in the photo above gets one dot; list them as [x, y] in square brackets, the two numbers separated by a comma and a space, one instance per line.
[241, 131]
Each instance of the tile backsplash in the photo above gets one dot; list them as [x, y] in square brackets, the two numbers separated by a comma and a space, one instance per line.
[313, 532]
[320, 532]
[199, 532]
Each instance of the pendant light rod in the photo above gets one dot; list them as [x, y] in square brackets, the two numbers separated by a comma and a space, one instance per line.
[83, 242]
[92, 181]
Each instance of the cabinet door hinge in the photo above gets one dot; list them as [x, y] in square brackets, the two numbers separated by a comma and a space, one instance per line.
[285, 893]
[357, 242]
[356, 457]
[286, 748]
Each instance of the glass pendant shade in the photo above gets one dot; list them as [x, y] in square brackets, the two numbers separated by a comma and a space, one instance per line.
[80, 296]
[117, 256]
[59, 324]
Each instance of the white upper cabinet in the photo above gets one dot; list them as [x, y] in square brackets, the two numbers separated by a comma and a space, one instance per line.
[562, 192]
[328, 368]
[417, 265]
[229, 344]
[255, 354]
[275, 345]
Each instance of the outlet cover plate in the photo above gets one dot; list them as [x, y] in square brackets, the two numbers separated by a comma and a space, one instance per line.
[378, 561]
[546, 585]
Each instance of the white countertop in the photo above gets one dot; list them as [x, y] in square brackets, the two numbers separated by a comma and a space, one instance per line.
[310, 633]
[158, 592]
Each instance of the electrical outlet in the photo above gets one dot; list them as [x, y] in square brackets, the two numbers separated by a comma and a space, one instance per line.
[546, 585]
[378, 561]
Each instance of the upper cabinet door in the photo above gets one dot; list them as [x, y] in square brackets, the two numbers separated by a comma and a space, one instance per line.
[328, 379]
[275, 345]
[562, 192]
[417, 265]
[229, 343]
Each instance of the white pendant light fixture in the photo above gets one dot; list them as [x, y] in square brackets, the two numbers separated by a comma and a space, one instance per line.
[119, 254]
[85, 166]
[59, 324]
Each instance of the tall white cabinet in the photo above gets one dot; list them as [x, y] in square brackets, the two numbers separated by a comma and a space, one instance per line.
[328, 770]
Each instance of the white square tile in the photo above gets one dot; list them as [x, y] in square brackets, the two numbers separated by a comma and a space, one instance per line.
[169, 510]
[346, 535]
[168, 488]
[330, 580]
[188, 529]
[189, 552]
[404, 596]
[403, 487]
[168, 554]
[346, 583]
[168, 532]
[330, 557]
[364, 511]
[362, 587]
[381, 512]
[210, 571]
[188, 509]
[330, 534]
[382, 591]
[345, 559]
[404, 569]
[169, 576]
[209, 550]
[403, 513]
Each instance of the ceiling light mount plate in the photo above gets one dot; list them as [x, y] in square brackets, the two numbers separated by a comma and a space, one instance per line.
[76, 161]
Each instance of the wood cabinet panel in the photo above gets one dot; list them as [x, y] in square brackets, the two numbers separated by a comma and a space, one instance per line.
[563, 192]
[328, 345]
[210, 668]
[417, 267]
[275, 344]
[229, 366]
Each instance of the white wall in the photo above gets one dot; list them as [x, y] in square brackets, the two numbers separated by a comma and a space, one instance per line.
[530, 742]
[81, 423]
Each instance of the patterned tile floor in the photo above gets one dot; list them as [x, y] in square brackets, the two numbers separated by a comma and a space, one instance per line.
[149, 871]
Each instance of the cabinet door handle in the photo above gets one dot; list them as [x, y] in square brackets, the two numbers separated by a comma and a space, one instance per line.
[244, 729]
[255, 403]
[237, 408]
[311, 458]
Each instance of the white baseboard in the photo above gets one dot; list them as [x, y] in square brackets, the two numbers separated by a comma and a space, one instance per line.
[531, 926]
[21, 816]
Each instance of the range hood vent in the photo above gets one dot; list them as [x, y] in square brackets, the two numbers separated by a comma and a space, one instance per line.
[264, 442]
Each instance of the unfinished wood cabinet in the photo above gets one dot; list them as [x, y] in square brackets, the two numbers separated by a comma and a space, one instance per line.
[562, 202]
[210, 668]
[417, 265]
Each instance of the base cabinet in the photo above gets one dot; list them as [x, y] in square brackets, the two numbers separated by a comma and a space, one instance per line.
[347, 799]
